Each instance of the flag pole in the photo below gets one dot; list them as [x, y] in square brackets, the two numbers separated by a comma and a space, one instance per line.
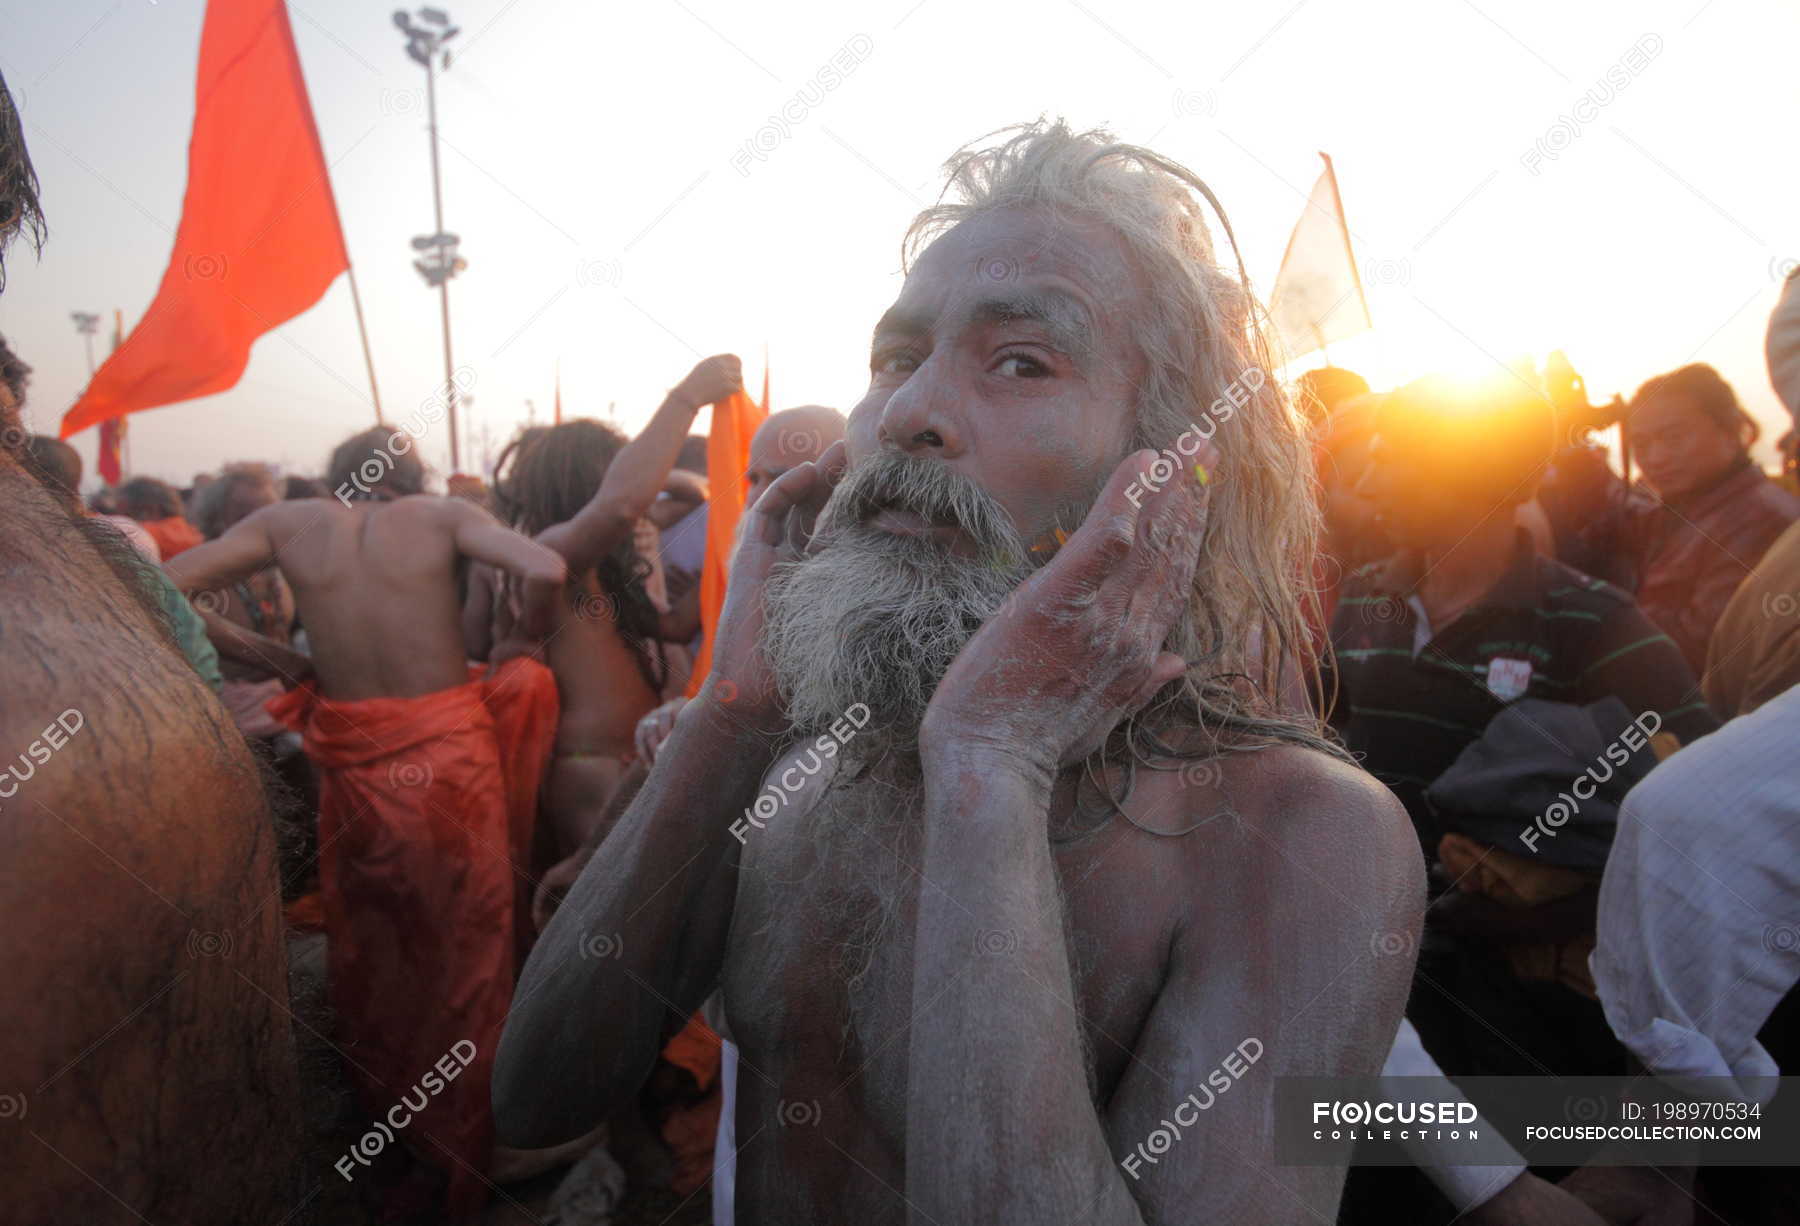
[362, 330]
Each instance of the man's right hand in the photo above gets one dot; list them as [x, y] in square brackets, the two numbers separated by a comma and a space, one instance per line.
[711, 380]
[655, 727]
[776, 530]
[555, 886]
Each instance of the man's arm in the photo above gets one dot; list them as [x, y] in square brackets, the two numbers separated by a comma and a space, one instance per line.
[638, 944]
[237, 553]
[478, 613]
[641, 939]
[685, 491]
[638, 472]
[1311, 893]
[246, 646]
[539, 570]
[1000, 1124]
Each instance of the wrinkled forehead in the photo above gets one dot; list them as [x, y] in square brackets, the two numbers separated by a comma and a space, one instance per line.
[1077, 269]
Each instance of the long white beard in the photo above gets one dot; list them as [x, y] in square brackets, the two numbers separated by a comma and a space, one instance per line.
[877, 618]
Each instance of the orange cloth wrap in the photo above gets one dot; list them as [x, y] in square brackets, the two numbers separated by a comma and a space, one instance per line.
[172, 535]
[426, 807]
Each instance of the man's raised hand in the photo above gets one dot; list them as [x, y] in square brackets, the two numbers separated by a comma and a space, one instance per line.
[712, 380]
[1079, 645]
[776, 530]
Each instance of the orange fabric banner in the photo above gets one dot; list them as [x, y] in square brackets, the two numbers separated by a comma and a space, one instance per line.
[112, 447]
[734, 420]
[259, 240]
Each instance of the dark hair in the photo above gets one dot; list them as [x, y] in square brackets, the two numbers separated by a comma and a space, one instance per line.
[543, 478]
[19, 208]
[212, 501]
[367, 464]
[1318, 393]
[1489, 439]
[304, 487]
[55, 463]
[148, 498]
[1704, 390]
[692, 455]
[13, 372]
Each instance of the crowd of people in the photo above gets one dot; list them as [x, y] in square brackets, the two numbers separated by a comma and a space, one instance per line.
[1061, 735]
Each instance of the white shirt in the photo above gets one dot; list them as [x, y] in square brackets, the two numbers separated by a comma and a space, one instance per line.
[1699, 925]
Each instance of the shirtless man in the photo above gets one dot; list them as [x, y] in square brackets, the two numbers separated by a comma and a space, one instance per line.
[147, 1061]
[582, 490]
[784, 441]
[428, 785]
[975, 967]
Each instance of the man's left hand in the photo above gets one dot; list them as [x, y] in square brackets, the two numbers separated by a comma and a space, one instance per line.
[1079, 645]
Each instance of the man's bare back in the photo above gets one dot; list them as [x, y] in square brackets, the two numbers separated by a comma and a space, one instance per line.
[375, 583]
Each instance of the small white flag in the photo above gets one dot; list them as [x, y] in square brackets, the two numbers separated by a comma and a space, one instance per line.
[1318, 297]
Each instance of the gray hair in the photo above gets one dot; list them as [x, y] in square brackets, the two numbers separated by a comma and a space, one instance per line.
[1245, 628]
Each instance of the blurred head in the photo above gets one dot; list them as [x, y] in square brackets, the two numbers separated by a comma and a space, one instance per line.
[380, 462]
[14, 377]
[692, 455]
[1686, 429]
[19, 210]
[786, 440]
[239, 490]
[56, 464]
[548, 473]
[1448, 454]
[1318, 393]
[146, 498]
[1063, 308]
[304, 487]
[543, 478]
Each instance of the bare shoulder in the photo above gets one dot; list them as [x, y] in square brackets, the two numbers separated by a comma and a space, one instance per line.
[1293, 831]
[290, 517]
[1302, 899]
[436, 507]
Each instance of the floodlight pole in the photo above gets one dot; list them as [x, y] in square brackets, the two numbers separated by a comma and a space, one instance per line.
[437, 207]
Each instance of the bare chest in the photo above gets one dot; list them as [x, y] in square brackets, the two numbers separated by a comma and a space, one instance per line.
[818, 978]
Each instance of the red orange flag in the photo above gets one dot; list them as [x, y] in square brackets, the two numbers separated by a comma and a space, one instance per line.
[259, 240]
[734, 420]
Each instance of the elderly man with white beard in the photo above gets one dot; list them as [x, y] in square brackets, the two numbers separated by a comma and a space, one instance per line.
[1072, 856]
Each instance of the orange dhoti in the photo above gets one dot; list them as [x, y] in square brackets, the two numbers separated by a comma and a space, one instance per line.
[426, 809]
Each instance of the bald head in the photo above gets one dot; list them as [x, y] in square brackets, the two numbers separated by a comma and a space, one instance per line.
[788, 439]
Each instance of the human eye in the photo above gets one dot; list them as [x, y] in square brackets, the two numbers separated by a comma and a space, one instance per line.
[1020, 365]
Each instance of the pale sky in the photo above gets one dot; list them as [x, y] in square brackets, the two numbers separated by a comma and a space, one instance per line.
[589, 168]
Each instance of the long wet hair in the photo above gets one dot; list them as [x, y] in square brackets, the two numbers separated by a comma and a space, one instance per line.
[20, 212]
[543, 478]
[1245, 624]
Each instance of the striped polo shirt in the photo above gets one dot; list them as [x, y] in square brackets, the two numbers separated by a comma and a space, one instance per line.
[1410, 696]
